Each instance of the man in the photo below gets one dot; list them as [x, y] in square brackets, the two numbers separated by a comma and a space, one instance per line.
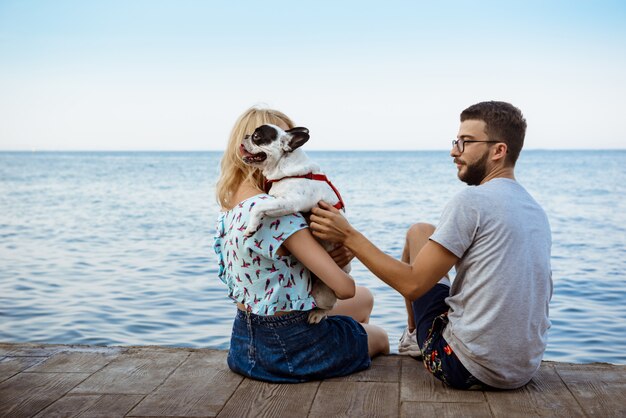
[488, 328]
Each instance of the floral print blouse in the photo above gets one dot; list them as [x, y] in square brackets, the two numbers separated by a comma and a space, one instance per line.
[263, 281]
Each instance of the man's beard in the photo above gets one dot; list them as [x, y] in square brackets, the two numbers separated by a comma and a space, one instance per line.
[475, 173]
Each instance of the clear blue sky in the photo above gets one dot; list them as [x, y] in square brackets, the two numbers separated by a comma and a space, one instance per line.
[174, 75]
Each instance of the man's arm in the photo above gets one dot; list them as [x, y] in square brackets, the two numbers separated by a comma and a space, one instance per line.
[410, 280]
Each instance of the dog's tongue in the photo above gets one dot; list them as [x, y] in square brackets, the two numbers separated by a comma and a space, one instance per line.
[244, 152]
[249, 158]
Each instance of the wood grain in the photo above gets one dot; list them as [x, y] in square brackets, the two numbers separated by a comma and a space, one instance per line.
[445, 410]
[199, 387]
[543, 396]
[182, 382]
[34, 350]
[10, 366]
[26, 394]
[135, 373]
[418, 385]
[600, 389]
[74, 362]
[259, 399]
[356, 399]
[109, 406]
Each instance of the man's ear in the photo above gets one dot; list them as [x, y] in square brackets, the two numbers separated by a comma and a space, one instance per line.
[500, 152]
[298, 137]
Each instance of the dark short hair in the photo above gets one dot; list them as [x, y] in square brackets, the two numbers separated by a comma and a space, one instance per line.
[503, 122]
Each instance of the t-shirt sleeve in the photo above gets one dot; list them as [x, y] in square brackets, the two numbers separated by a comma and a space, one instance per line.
[274, 232]
[458, 224]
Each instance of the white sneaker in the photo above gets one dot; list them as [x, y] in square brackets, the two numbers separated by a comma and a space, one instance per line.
[408, 344]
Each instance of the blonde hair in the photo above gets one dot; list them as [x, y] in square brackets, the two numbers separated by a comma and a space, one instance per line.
[233, 170]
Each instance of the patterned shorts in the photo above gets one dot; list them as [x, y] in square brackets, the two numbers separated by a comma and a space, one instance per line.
[431, 317]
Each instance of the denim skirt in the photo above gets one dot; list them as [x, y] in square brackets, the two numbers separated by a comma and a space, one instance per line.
[287, 349]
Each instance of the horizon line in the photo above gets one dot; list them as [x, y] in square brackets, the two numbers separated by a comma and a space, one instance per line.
[34, 151]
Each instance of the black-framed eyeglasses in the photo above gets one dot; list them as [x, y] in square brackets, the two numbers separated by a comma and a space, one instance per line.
[460, 143]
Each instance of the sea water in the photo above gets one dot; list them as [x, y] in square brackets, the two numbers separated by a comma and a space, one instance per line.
[116, 248]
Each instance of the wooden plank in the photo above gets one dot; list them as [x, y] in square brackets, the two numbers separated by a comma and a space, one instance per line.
[71, 405]
[445, 410]
[599, 388]
[188, 382]
[109, 406]
[542, 396]
[134, 373]
[75, 362]
[199, 387]
[34, 350]
[10, 366]
[28, 393]
[356, 399]
[259, 399]
[383, 369]
[418, 385]
[6, 348]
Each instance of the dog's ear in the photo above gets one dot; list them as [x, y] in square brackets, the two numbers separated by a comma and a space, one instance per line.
[299, 136]
[298, 129]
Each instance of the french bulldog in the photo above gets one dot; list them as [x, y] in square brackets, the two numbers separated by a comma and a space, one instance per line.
[277, 153]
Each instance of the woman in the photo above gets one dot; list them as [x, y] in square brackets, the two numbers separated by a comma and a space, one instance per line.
[269, 276]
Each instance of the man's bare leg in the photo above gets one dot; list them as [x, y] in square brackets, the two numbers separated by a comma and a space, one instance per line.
[416, 237]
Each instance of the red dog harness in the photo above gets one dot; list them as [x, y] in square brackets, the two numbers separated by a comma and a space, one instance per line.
[318, 177]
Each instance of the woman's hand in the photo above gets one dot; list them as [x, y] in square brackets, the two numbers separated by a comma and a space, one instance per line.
[329, 224]
[341, 255]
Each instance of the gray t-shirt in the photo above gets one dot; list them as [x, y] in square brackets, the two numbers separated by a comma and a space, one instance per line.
[499, 298]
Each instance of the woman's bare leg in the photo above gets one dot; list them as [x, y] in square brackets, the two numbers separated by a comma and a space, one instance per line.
[359, 307]
[377, 340]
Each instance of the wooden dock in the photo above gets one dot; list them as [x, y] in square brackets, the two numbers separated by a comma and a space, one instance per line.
[67, 381]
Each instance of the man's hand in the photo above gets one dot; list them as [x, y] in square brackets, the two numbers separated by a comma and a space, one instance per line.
[341, 255]
[329, 224]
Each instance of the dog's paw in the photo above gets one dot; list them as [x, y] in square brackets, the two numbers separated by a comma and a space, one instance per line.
[317, 315]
